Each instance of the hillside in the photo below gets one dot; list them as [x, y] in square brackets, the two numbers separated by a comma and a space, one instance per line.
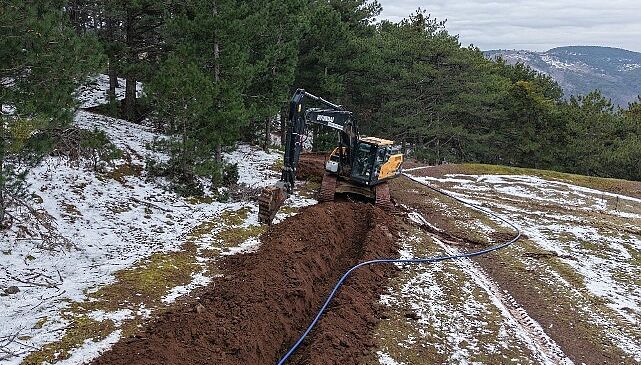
[137, 162]
[135, 254]
[579, 70]
[115, 238]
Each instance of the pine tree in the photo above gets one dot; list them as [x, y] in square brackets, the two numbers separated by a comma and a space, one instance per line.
[328, 49]
[207, 38]
[274, 38]
[185, 94]
[43, 61]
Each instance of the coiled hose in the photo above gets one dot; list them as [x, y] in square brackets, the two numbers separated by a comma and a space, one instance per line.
[427, 260]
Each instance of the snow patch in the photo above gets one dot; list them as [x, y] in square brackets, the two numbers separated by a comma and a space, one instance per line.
[563, 218]
[94, 92]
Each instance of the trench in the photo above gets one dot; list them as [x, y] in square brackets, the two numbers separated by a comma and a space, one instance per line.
[266, 298]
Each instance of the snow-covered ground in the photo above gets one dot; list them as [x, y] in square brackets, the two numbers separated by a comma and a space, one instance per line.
[629, 67]
[461, 316]
[594, 233]
[104, 223]
[94, 93]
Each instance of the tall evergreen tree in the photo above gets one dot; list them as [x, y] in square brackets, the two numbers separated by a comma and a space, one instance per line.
[208, 39]
[43, 61]
[274, 37]
[328, 49]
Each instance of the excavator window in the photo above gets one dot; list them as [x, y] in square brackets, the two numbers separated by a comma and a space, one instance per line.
[381, 157]
[363, 163]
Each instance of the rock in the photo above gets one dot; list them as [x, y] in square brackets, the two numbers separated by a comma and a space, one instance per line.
[412, 315]
[12, 290]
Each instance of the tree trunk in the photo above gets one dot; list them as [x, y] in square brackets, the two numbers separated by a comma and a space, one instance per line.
[283, 125]
[268, 134]
[130, 98]
[130, 87]
[183, 161]
[219, 147]
[2, 173]
[216, 48]
[113, 75]
[219, 153]
[113, 82]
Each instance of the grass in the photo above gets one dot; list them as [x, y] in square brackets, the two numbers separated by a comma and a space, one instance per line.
[235, 217]
[141, 286]
[431, 344]
[195, 200]
[526, 267]
[309, 188]
[278, 165]
[71, 211]
[598, 183]
[81, 328]
[41, 322]
[144, 285]
[148, 281]
[122, 171]
[235, 236]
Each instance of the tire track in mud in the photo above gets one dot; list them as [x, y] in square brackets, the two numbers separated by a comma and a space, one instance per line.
[581, 339]
[542, 346]
[266, 298]
[518, 317]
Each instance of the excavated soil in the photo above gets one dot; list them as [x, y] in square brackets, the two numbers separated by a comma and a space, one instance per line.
[311, 166]
[266, 298]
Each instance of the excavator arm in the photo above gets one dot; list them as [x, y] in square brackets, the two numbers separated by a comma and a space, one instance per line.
[332, 116]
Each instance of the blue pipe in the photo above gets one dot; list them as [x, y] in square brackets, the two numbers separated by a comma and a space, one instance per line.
[428, 260]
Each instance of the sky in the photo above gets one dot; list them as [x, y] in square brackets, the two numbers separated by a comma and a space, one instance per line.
[533, 25]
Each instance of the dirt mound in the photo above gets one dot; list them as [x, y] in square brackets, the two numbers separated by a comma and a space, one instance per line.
[267, 298]
[311, 166]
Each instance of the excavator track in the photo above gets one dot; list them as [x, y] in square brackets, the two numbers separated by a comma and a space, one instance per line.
[328, 188]
[383, 199]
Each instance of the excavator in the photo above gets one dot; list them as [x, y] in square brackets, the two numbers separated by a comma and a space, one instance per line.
[358, 165]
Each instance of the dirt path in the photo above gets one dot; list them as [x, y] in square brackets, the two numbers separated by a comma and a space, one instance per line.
[267, 298]
[527, 291]
[546, 348]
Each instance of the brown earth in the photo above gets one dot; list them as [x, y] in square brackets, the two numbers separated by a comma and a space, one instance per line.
[311, 166]
[265, 299]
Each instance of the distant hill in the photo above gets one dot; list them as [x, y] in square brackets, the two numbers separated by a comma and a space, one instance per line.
[581, 69]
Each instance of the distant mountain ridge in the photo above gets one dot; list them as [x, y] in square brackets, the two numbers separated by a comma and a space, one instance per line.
[581, 69]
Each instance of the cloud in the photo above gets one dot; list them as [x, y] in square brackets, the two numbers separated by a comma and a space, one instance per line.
[536, 25]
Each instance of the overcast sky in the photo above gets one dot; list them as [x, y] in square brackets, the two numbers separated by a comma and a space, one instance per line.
[530, 24]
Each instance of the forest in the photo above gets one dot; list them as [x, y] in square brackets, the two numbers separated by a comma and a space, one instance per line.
[219, 72]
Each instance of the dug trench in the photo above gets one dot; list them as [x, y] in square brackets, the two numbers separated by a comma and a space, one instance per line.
[266, 299]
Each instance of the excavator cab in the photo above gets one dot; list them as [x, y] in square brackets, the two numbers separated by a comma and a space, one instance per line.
[375, 161]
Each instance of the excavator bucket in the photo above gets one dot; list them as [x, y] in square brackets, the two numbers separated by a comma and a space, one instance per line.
[270, 200]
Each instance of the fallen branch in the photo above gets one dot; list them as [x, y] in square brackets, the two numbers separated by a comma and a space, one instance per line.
[151, 205]
[46, 299]
[33, 283]
[11, 339]
[52, 238]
